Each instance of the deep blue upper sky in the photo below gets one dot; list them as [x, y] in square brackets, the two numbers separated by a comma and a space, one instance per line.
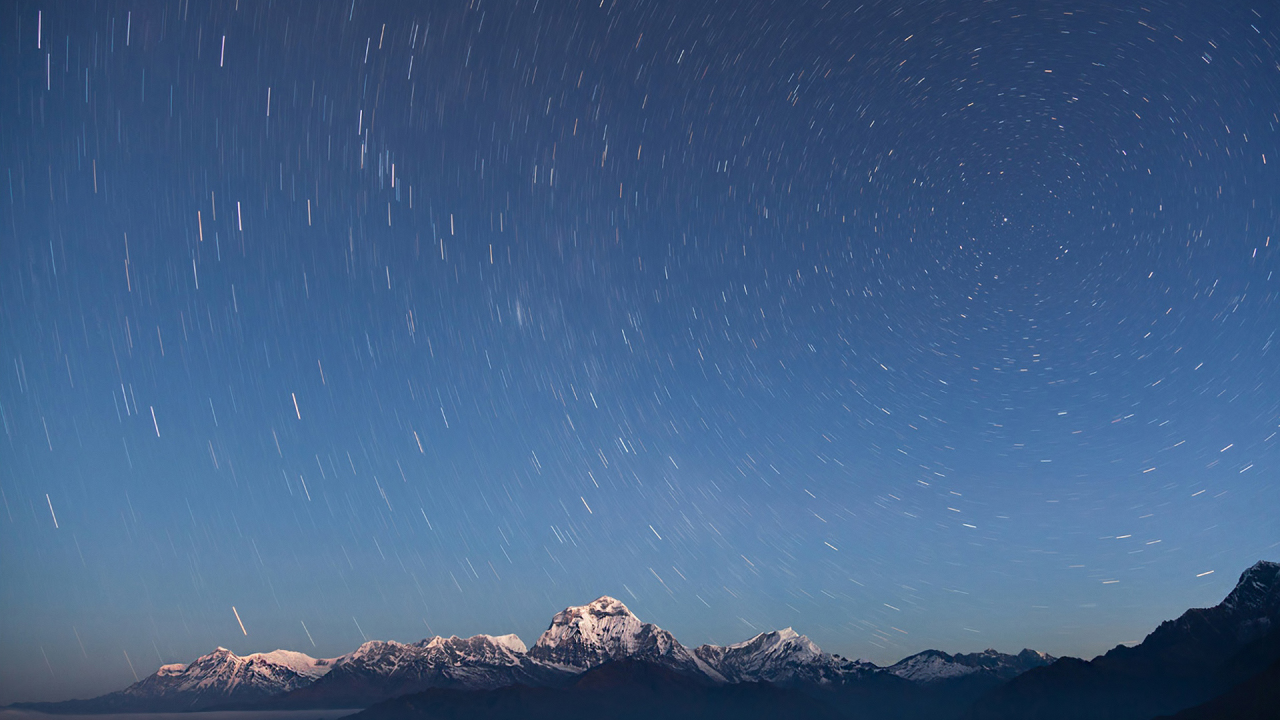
[908, 325]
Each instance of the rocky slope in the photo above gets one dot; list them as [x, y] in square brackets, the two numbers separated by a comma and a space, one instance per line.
[219, 678]
[602, 631]
[783, 657]
[936, 666]
[1182, 663]
[379, 670]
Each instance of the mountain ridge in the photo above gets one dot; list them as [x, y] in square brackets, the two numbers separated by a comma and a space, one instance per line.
[204, 682]
[1203, 652]
[1183, 662]
[936, 665]
[578, 639]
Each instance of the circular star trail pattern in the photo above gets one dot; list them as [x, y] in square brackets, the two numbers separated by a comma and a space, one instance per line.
[905, 324]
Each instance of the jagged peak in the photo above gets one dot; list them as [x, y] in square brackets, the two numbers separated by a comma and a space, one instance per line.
[776, 637]
[300, 663]
[219, 655]
[371, 647]
[1263, 571]
[278, 654]
[932, 665]
[603, 606]
[1255, 585]
[510, 641]
[988, 653]
[436, 641]
[223, 668]
[294, 660]
[931, 652]
[784, 633]
[604, 615]
[373, 644]
[605, 630]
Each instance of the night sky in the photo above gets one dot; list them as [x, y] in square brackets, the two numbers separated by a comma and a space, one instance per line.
[906, 324]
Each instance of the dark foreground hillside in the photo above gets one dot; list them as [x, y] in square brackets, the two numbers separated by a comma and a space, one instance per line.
[1255, 699]
[624, 690]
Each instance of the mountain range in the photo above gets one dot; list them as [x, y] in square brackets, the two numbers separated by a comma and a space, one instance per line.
[209, 680]
[595, 655]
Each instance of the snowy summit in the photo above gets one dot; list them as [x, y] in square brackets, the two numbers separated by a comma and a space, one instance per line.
[604, 630]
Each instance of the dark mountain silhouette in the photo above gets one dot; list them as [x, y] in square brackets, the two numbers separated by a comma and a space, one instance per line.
[933, 666]
[619, 690]
[1181, 664]
[1255, 699]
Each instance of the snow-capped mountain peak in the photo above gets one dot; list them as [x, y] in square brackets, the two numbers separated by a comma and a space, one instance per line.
[596, 612]
[583, 637]
[223, 671]
[781, 656]
[378, 670]
[375, 647]
[935, 665]
[770, 649]
[510, 641]
[785, 639]
[605, 629]
[300, 663]
[220, 677]
[486, 649]
[930, 666]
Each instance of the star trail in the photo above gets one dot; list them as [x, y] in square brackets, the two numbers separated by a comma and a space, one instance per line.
[907, 324]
